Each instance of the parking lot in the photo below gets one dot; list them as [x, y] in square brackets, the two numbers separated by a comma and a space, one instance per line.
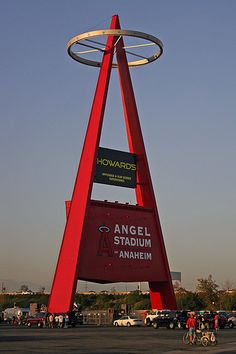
[92, 339]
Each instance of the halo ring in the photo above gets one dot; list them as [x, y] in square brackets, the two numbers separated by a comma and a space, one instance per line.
[119, 33]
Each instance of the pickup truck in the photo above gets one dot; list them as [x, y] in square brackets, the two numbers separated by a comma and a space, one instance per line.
[171, 320]
[155, 313]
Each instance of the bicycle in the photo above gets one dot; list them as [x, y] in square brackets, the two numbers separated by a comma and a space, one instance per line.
[208, 338]
[197, 336]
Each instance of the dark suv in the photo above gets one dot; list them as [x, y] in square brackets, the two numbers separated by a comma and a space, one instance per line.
[171, 320]
[75, 318]
[181, 317]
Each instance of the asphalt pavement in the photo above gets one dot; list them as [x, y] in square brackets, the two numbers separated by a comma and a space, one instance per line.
[93, 339]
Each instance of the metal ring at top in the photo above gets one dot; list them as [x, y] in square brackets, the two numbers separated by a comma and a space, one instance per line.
[115, 32]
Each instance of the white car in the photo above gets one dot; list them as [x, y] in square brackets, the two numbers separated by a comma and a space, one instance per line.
[231, 321]
[128, 321]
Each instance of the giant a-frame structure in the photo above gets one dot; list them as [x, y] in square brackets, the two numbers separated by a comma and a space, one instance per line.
[112, 242]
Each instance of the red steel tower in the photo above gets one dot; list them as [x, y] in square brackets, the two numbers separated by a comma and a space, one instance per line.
[109, 242]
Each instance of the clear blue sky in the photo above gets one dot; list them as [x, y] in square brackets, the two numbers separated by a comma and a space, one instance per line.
[187, 108]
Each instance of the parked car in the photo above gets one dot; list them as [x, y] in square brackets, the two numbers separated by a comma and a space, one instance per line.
[39, 319]
[182, 317]
[223, 319]
[231, 322]
[155, 313]
[171, 320]
[75, 318]
[128, 321]
[10, 314]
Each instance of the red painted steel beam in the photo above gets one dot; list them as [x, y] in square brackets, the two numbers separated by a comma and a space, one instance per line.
[65, 279]
[161, 293]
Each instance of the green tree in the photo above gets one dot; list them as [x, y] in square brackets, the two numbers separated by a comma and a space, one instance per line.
[24, 288]
[86, 301]
[42, 290]
[144, 304]
[104, 301]
[227, 301]
[188, 300]
[133, 297]
[208, 291]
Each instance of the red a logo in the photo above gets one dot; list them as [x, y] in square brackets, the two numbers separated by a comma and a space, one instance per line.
[104, 246]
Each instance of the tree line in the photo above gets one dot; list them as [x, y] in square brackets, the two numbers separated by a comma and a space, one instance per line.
[206, 296]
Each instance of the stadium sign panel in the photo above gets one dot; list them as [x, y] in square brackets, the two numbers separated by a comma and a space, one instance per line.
[122, 244]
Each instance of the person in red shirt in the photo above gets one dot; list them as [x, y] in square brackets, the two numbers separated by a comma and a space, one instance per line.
[216, 322]
[191, 325]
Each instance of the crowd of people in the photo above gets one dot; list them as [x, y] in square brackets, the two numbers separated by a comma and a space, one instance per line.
[50, 321]
[201, 323]
[57, 321]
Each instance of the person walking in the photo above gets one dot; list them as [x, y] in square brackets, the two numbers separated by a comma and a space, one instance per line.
[216, 322]
[51, 320]
[60, 321]
[66, 321]
[56, 319]
[191, 325]
[19, 319]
